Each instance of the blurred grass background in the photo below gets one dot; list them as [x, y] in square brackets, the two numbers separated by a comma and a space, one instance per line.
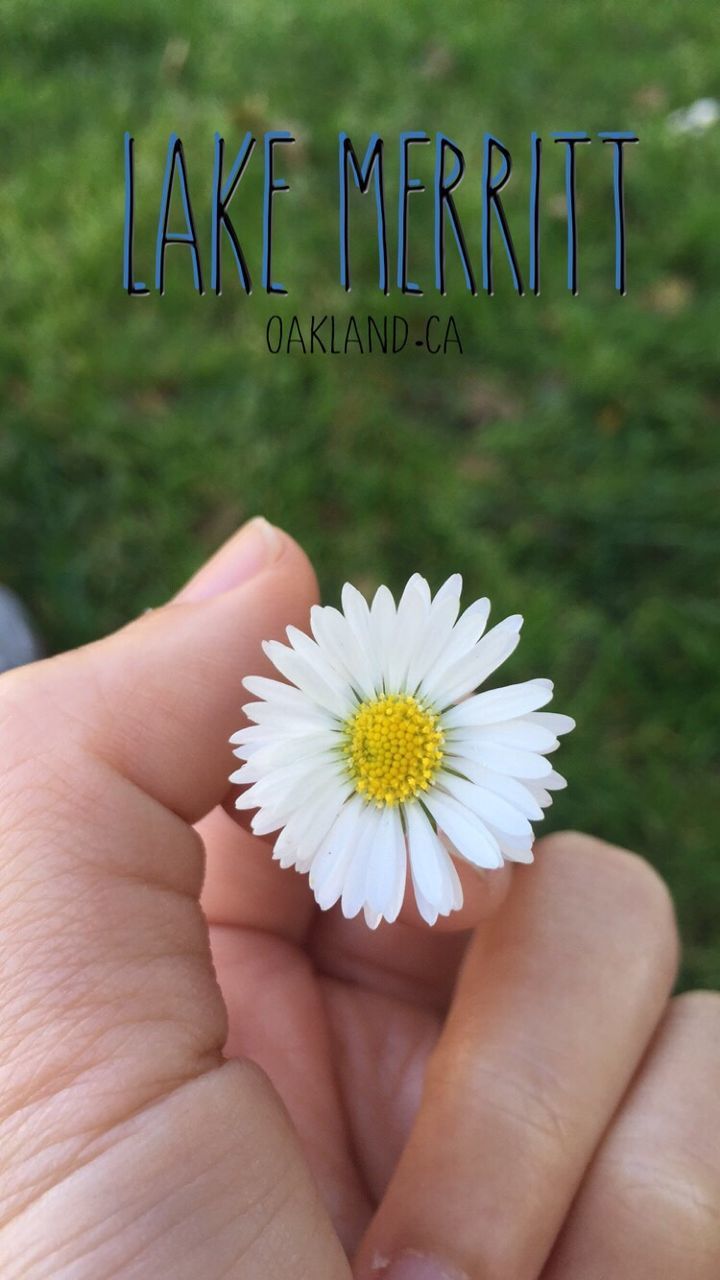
[567, 464]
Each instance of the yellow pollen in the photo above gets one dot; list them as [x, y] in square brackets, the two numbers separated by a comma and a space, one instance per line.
[393, 747]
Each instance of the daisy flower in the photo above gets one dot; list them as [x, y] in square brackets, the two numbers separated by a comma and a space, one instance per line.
[378, 759]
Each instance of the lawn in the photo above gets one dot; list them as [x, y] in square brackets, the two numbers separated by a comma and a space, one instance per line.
[566, 463]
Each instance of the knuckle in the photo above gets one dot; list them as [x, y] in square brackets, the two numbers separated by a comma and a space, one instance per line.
[530, 1107]
[529, 1103]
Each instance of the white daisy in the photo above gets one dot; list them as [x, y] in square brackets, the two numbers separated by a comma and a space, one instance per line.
[375, 758]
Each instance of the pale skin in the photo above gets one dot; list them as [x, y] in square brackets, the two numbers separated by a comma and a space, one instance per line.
[203, 1077]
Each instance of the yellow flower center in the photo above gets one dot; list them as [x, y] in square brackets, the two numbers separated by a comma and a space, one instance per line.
[393, 748]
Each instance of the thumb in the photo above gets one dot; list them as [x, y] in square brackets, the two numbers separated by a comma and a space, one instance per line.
[128, 1147]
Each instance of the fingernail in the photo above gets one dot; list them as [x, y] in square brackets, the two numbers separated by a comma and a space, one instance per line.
[416, 1266]
[253, 548]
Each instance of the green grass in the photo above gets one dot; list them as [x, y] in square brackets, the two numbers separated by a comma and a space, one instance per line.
[567, 464]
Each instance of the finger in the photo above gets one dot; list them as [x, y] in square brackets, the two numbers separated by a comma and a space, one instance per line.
[555, 1004]
[650, 1206]
[160, 698]
[248, 552]
[112, 1021]
[97, 877]
[243, 885]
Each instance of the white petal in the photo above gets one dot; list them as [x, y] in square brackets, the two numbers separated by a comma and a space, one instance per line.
[271, 714]
[515, 850]
[455, 885]
[475, 667]
[327, 670]
[494, 705]
[309, 833]
[286, 788]
[265, 821]
[317, 821]
[514, 845]
[355, 608]
[428, 912]
[385, 882]
[453, 893]
[382, 625]
[408, 633]
[468, 834]
[248, 733]
[357, 615]
[353, 894]
[341, 646]
[372, 918]
[552, 720]
[329, 868]
[283, 851]
[555, 781]
[278, 691]
[518, 794]
[541, 795]
[296, 668]
[488, 806]
[283, 754]
[265, 735]
[520, 733]
[418, 583]
[250, 799]
[463, 637]
[280, 751]
[541, 790]
[245, 775]
[451, 587]
[427, 858]
[397, 894]
[520, 855]
[269, 817]
[519, 764]
[434, 642]
[250, 749]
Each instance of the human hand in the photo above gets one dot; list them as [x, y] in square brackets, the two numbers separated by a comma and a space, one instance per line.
[448, 1120]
